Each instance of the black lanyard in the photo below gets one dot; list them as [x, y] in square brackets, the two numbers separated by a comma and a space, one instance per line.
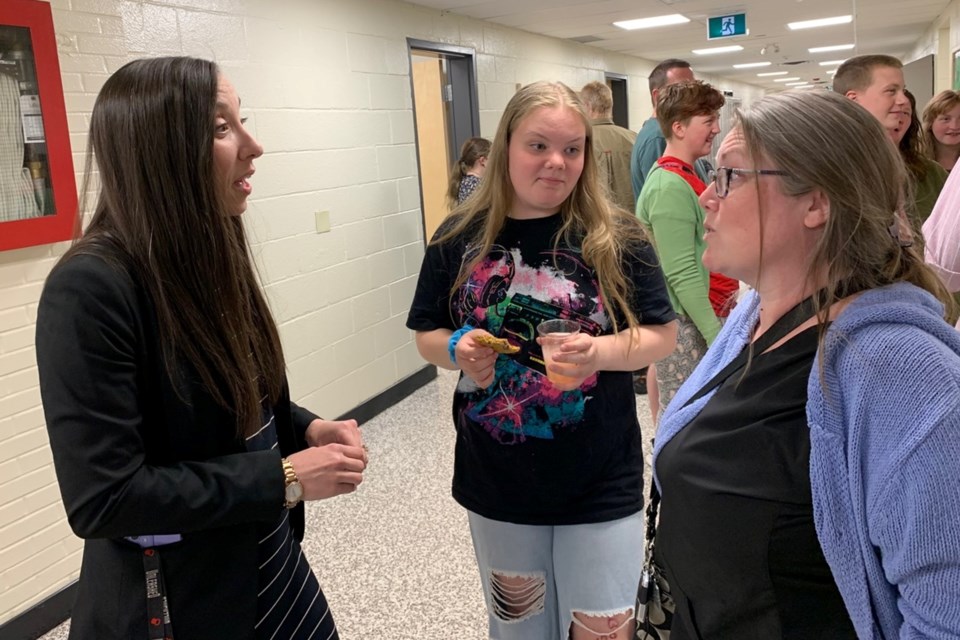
[158, 613]
[787, 323]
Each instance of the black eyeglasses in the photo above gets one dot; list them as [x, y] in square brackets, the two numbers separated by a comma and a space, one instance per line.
[721, 177]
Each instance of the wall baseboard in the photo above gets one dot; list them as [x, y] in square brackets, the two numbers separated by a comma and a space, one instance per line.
[42, 617]
[386, 399]
[48, 614]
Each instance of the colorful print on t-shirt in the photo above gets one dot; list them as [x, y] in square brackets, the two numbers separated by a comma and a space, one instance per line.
[523, 453]
[509, 298]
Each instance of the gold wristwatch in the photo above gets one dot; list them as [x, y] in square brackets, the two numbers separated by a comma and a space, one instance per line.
[293, 490]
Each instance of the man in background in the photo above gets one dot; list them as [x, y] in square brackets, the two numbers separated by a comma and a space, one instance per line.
[612, 144]
[876, 83]
[650, 143]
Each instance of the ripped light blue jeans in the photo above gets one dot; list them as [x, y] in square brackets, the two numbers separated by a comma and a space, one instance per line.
[536, 577]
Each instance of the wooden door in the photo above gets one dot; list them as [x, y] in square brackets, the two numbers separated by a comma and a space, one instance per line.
[428, 81]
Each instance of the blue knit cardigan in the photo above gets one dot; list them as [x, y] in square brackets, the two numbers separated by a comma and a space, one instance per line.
[885, 456]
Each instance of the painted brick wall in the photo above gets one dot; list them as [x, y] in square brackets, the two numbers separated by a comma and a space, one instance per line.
[326, 86]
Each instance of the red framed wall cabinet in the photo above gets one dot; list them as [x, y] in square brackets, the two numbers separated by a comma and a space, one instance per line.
[38, 200]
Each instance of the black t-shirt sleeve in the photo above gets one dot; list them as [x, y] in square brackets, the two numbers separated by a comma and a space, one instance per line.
[431, 301]
[650, 301]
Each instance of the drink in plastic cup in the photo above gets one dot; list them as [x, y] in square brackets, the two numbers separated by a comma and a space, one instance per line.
[552, 334]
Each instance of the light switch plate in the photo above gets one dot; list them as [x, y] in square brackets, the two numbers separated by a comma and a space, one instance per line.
[323, 221]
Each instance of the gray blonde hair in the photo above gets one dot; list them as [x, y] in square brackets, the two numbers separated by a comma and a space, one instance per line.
[597, 98]
[825, 141]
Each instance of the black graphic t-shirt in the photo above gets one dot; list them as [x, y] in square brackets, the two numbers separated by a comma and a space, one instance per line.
[527, 452]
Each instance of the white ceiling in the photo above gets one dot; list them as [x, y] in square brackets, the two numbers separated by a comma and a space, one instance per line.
[879, 26]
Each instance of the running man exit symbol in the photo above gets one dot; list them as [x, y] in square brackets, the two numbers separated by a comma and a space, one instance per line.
[727, 26]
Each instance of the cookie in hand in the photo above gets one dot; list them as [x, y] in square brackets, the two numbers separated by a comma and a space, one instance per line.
[500, 345]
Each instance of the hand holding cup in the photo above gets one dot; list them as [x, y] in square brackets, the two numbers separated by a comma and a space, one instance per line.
[568, 354]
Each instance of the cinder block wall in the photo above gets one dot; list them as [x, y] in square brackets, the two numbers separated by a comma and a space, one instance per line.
[326, 86]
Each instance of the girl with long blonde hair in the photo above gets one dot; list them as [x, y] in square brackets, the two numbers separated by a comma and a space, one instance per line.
[550, 472]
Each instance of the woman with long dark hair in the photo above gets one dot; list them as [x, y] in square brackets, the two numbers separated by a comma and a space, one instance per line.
[927, 177]
[181, 460]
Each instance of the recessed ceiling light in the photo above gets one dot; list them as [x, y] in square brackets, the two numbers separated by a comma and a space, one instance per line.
[832, 63]
[772, 73]
[707, 52]
[802, 83]
[647, 23]
[836, 47]
[831, 72]
[751, 65]
[786, 79]
[800, 86]
[823, 22]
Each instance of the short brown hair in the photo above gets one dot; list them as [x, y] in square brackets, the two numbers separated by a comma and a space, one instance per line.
[856, 74]
[681, 101]
[597, 98]
[658, 77]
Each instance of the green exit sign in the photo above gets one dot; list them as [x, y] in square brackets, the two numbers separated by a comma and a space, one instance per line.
[727, 26]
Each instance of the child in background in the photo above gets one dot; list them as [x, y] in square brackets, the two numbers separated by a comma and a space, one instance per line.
[688, 113]
[468, 171]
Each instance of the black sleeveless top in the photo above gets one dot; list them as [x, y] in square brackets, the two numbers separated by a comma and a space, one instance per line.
[736, 534]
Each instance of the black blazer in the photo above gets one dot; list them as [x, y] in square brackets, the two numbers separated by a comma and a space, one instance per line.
[133, 457]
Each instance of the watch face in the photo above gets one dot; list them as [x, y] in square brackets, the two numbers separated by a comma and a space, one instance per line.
[294, 492]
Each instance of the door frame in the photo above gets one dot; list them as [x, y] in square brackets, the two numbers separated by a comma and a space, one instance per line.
[465, 123]
[621, 107]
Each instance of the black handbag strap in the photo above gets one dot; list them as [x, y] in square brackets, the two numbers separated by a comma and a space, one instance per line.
[787, 323]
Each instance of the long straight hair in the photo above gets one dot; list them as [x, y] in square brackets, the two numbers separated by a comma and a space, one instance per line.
[603, 232]
[825, 141]
[912, 143]
[160, 211]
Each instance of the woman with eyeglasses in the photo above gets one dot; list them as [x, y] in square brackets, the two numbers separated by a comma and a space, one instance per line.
[808, 468]
[689, 116]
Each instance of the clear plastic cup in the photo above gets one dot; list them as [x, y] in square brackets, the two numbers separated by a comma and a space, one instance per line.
[552, 334]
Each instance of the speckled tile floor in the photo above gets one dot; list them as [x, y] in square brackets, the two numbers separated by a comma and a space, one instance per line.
[395, 558]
